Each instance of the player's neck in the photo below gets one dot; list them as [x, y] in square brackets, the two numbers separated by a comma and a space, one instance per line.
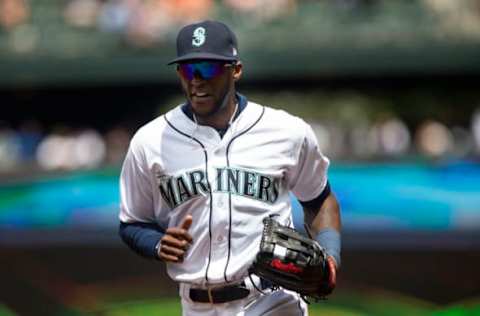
[222, 118]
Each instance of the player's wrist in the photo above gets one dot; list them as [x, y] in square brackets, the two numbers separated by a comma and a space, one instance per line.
[157, 249]
[330, 240]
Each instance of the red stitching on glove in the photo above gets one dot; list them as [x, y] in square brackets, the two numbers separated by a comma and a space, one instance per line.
[287, 267]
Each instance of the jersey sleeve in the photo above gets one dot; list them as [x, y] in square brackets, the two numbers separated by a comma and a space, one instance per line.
[308, 177]
[136, 196]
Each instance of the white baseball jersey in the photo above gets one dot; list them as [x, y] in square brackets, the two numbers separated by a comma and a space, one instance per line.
[175, 167]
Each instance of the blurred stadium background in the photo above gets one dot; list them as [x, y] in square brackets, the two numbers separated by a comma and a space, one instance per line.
[390, 87]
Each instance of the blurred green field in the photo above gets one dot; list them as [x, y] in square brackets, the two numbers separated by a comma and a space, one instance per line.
[355, 303]
[77, 281]
[353, 308]
[349, 305]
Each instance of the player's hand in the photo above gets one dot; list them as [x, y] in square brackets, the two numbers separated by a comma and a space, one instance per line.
[176, 241]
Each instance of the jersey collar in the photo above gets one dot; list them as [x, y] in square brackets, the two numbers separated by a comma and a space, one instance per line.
[181, 122]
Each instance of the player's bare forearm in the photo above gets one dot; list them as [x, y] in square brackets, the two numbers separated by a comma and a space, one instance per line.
[324, 219]
[327, 216]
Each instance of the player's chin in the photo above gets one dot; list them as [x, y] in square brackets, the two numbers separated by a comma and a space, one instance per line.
[203, 108]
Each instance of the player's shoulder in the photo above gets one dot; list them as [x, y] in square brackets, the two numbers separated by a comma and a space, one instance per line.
[151, 128]
[284, 116]
[150, 131]
[283, 120]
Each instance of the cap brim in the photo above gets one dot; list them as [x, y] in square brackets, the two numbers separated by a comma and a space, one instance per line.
[201, 56]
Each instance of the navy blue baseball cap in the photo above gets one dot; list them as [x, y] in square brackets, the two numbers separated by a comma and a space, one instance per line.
[206, 40]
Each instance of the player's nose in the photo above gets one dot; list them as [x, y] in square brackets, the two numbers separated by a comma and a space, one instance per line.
[197, 80]
[197, 75]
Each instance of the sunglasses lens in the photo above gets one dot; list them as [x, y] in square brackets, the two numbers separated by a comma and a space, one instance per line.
[187, 71]
[206, 70]
[209, 70]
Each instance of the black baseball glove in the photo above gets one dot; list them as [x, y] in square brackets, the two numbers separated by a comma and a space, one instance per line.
[292, 261]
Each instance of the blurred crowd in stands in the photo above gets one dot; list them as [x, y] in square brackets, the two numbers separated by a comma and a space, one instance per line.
[140, 22]
[28, 148]
[144, 23]
[391, 138]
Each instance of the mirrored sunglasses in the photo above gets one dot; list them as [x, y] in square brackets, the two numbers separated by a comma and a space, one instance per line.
[206, 69]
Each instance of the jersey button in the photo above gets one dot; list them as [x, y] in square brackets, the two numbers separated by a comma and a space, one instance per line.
[220, 238]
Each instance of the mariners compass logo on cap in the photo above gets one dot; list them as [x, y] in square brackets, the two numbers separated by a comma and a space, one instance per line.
[207, 40]
[198, 36]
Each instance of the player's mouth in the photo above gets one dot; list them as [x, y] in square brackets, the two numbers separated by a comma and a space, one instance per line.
[200, 96]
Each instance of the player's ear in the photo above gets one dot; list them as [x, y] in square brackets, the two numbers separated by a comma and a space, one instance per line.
[177, 68]
[237, 70]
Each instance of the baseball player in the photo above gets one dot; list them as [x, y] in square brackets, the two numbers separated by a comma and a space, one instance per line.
[197, 182]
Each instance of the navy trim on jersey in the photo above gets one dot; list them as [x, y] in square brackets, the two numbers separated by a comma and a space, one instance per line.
[242, 104]
[230, 194]
[317, 202]
[209, 190]
[141, 237]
